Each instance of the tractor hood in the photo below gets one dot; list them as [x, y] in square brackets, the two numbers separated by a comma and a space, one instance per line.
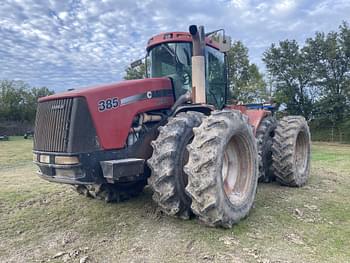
[114, 106]
[121, 90]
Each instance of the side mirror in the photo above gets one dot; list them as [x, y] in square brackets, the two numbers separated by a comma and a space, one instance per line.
[223, 40]
[136, 63]
[224, 43]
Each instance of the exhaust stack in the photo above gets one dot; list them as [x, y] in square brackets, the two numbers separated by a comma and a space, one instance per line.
[198, 64]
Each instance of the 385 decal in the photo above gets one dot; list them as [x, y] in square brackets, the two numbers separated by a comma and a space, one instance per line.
[108, 104]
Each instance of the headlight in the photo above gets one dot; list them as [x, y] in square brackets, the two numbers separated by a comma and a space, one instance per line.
[66, 160]
[44, 158]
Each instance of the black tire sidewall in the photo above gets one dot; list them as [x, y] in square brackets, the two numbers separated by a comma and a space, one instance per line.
[180, 176]
[265, 143]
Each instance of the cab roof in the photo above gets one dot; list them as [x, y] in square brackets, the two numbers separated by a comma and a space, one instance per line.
[176, 37]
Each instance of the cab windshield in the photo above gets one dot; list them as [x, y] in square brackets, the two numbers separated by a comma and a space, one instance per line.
[172, 60]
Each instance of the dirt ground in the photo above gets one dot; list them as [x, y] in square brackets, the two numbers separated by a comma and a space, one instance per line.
[47, 222]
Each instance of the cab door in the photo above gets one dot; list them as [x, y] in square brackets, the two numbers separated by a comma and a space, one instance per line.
[215, 77]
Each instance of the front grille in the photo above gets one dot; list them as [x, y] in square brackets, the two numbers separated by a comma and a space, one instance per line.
[52, 125]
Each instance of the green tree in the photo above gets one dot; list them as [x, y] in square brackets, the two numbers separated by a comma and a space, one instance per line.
[245, 81]
[18, 100]
[31, 101]
[287, 64]
[254, 89]
[329, 57]
[12, 100]
[138, 72]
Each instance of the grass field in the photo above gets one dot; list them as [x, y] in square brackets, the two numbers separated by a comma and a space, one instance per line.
[41, 221]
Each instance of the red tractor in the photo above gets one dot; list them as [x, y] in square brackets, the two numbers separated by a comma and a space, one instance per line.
[173, 130]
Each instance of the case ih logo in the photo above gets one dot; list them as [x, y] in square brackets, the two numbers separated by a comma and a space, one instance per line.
[57, 107]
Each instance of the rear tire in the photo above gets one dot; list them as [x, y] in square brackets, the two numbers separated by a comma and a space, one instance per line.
[264, 137]
[111, 192]
[291, 151]
[167, 179]
[222, 169]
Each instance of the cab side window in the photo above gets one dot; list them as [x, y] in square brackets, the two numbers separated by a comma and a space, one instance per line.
[216, 80]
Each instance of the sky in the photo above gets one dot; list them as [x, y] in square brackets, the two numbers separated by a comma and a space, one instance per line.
[67, 44]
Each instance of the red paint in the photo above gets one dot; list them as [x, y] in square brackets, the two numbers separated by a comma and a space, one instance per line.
[241, 108]
[177, 37]
[254, 116]
[112, 126]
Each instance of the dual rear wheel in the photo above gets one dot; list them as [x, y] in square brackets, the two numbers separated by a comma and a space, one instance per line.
[284, 150]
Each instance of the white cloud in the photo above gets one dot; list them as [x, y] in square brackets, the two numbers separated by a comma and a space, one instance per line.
[284, 7]
[64, 44]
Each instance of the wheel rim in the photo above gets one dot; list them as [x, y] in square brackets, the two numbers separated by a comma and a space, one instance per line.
[237, 169]
[301, 152]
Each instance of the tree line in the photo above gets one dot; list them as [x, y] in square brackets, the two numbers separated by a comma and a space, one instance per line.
[18, 100]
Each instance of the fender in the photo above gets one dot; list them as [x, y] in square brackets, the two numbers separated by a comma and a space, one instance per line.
[254, 116]
[203, 108]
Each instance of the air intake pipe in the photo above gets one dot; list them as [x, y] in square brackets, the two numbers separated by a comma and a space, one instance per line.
[198, 64]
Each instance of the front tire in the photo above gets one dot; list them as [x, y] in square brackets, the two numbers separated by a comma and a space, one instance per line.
[111, 192]
[222, 169]
[167, 179]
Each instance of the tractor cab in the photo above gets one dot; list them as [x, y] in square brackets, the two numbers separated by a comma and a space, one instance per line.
[169, 55]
